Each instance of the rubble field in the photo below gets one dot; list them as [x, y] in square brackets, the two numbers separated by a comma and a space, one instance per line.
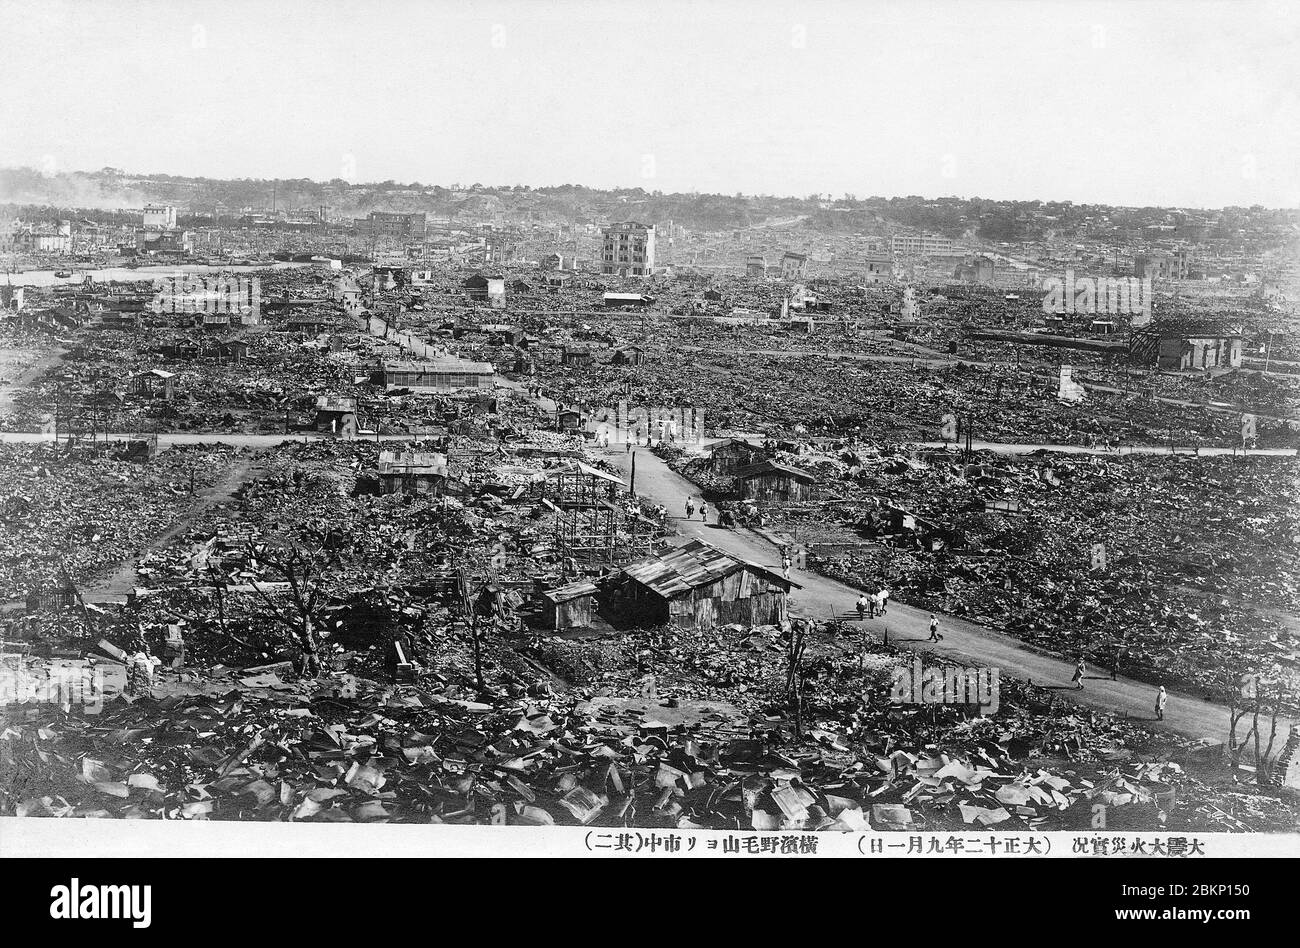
[1202, 577]
[432, 604]
[74, 515]
[714, 747]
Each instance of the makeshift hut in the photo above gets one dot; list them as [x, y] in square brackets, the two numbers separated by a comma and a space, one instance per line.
[232, 351]
[698, 586]
[412, 472]
[769, 482]
[727, 455]
[336, 414]
[628, 355]
[154, 383]
[569, 607]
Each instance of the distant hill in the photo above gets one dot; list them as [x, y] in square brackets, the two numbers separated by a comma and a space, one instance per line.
[113, 189]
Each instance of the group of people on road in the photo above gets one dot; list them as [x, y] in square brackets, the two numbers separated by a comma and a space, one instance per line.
[870, 605]
[875, 604]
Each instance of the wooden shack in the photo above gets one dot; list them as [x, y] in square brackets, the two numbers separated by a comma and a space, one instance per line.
[728, 455]
[215, 322]
[336, 414]
[627, 299]
[440, 376]
[769, 482]
[154, 383]
[232, 351]
[569, 607]
[909, 529]
[628, 355]
[698, 586]
[412, 472]
[311, 324]
[577, 357]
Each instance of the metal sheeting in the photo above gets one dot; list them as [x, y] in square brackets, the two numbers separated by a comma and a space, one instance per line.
[571, 591]
[691, 566]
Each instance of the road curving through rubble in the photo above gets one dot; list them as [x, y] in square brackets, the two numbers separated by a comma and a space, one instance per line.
[965, 642]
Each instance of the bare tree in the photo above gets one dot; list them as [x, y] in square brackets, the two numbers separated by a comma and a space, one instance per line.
[214, 574]
[1250, 698]
[303, 562]
[794, 676]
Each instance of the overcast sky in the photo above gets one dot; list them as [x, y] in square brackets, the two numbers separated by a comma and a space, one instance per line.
[1170, 103]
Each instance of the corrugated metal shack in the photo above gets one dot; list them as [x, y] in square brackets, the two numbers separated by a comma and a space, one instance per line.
[698, 586]
[569, 607]
[770, 482]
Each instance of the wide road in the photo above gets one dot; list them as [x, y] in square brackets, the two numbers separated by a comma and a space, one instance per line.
[964, 641]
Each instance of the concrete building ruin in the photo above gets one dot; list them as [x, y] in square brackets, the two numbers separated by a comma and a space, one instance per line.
[629, 250]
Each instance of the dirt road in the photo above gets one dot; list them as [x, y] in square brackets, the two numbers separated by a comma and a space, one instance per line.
[120, 582]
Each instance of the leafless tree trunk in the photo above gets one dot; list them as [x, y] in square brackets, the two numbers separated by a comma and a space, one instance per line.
[1235, 714]
[302, 569]
[794, 673]
[1263, 761]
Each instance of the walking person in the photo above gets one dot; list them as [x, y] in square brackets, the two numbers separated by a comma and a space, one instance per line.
[884, 600]
[1079, 669]
[935, 636]
[862, 606]
[704, 512]
[690, 508]
[1161, 697]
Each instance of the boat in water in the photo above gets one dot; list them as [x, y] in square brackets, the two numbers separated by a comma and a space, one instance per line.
[63, 274]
